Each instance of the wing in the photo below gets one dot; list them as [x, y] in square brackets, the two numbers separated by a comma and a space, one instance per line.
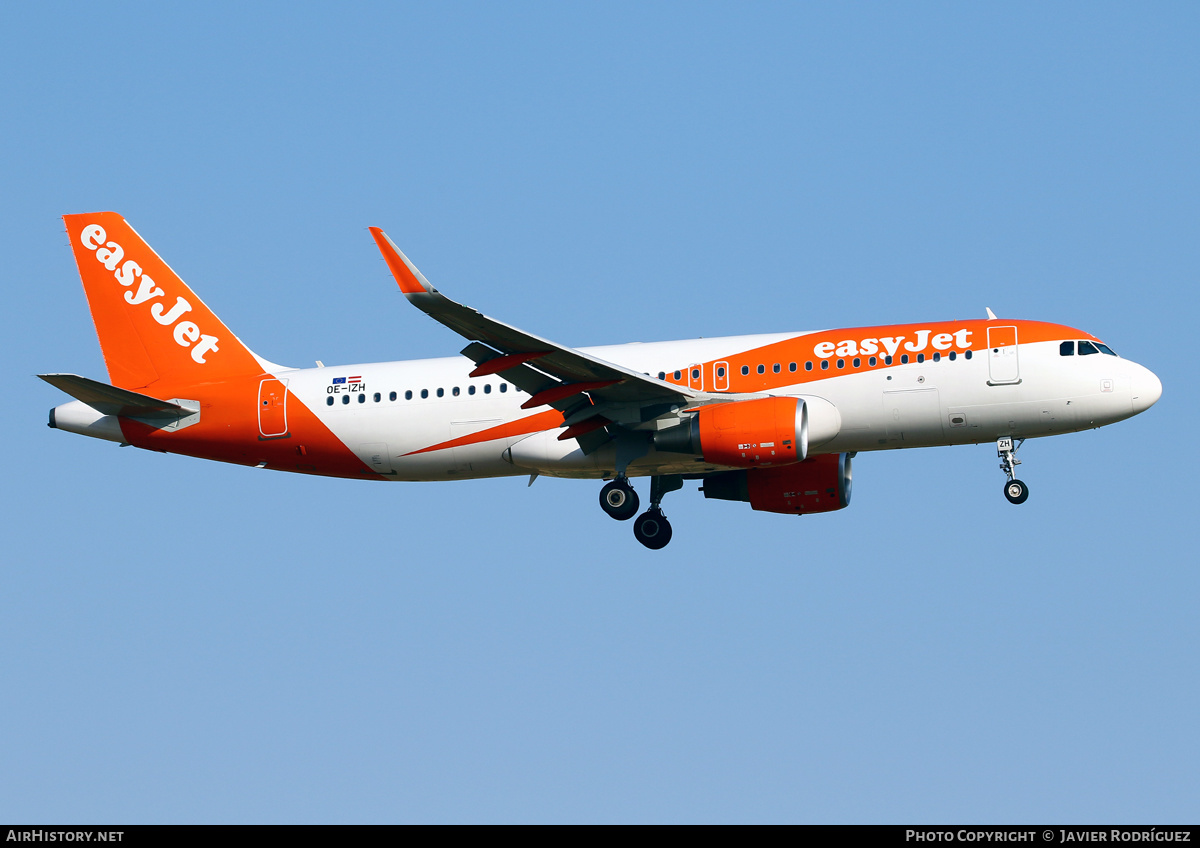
[590, 392]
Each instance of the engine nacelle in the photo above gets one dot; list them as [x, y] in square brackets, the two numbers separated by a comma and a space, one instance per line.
[744, 434]
[819, 484]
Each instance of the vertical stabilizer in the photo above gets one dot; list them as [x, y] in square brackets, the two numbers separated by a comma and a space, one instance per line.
[152, 327]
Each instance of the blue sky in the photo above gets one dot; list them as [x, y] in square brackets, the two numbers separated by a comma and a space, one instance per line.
[188, 641]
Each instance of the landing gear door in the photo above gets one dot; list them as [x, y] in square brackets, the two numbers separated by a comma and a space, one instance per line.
[272, 408]
[1003, 367]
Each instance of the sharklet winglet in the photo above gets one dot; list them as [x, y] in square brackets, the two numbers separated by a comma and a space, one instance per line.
[410, 280]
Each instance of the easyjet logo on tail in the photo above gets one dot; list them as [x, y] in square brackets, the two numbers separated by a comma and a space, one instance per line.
[109, 254]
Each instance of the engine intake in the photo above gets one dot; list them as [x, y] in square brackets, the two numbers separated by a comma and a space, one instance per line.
[819, 484]
[744, 434]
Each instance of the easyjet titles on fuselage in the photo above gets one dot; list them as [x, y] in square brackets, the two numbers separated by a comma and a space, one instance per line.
[890, 344]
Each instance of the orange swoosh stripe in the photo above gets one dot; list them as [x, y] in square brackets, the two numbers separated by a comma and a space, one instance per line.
[530, 424]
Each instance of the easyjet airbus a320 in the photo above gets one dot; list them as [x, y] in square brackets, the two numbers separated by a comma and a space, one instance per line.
[772, 420]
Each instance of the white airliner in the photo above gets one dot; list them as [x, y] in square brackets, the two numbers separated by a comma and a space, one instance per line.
[772, 420]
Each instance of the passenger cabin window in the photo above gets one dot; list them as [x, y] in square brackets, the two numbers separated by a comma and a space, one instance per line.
[762, 369]
[504, 387]
[677, 375]
[776, 368]
[378, 397]
[362, 398]
[441, 392]
[904, 359]
[745, 370]
[720, 372]
[345, 399]
[808, 365]
[872, 361]
[1066, 349]
[470, 390]
[454, 391]
[391, 396]
[662, 375]
[408, 394]
[487, 388]
[824, 364]
[1086, 348]
[792, 367]
[329, 401]
[424, 393]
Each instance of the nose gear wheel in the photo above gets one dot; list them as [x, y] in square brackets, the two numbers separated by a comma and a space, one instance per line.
[1016, 491]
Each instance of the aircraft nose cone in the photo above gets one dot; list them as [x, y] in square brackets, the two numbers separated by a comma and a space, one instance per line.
[1144, 390]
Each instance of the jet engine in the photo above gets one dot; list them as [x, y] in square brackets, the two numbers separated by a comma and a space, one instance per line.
[819, 484]
[744, 434]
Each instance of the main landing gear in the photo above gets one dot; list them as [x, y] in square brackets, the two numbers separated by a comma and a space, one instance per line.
[651, 528]
[619, 500]
[1016, 491]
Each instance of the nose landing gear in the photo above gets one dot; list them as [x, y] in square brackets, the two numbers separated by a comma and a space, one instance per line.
[1016, 491]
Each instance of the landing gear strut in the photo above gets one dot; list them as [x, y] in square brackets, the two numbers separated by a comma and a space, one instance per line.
[652, 528]
[1016, 491]
[619, 499]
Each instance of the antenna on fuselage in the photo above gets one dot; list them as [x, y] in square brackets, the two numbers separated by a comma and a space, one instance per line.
[991, 314]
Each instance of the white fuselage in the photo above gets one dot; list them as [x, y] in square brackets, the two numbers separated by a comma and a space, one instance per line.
[912, 405]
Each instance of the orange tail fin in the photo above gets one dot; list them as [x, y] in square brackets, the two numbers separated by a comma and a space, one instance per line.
[152, 327]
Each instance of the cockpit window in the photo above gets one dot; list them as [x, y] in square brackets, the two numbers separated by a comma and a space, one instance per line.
[1066, 349]
[1105, 349]
[1086, 348]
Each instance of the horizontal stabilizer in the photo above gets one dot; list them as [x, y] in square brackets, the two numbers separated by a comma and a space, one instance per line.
[110, 400]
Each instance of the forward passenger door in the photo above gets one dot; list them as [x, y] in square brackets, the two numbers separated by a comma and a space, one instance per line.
[1003, 365]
